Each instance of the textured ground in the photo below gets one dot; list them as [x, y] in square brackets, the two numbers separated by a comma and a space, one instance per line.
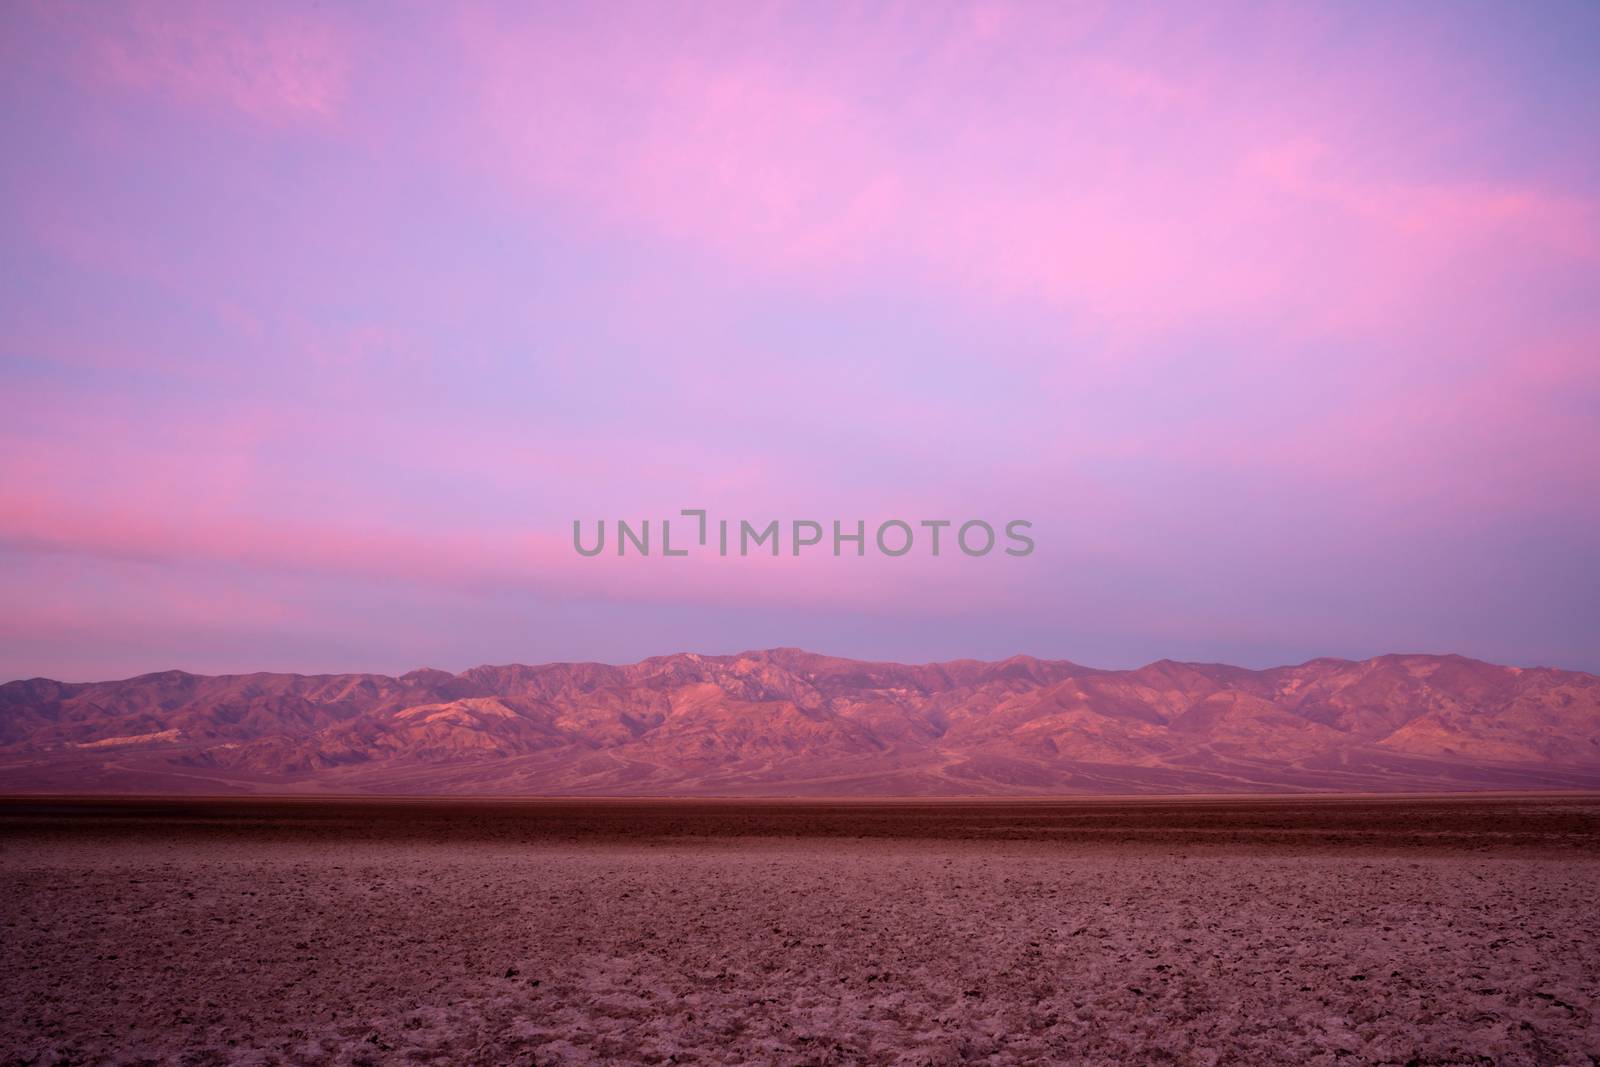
[1277, 932]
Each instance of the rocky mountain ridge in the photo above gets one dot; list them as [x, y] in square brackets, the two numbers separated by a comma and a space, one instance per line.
[789, 722]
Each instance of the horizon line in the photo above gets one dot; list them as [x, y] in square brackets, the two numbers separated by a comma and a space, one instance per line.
[804, 651]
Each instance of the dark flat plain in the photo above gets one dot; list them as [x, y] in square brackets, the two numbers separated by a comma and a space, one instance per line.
[1309, 930]
[1561, 822]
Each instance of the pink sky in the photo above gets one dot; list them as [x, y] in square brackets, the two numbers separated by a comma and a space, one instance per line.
[322, 323]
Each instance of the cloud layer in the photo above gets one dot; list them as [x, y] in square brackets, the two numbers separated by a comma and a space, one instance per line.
[1281, 324]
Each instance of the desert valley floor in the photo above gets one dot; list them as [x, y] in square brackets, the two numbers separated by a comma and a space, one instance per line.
[1286, 930]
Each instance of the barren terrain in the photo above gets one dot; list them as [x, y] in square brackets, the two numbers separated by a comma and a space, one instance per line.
[785, 722]
[1371, 930]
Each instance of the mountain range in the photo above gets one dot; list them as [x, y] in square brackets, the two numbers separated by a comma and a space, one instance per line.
[790, 722]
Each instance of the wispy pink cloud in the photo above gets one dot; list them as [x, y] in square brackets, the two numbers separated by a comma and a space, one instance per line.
[273, 63]
[1104, 185]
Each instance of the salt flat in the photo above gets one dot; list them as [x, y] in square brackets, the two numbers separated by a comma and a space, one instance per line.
[1259, 932]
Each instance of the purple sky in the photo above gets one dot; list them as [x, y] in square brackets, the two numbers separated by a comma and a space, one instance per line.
[322, 323]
